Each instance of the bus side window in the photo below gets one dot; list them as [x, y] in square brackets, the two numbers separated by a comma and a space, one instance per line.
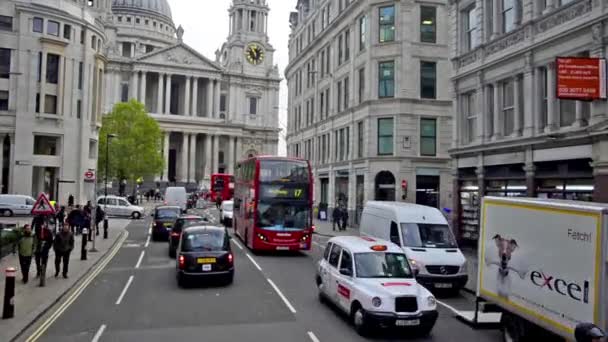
[395, 234]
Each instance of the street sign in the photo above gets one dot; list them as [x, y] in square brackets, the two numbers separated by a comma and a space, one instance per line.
[89, 176]
[43, 206]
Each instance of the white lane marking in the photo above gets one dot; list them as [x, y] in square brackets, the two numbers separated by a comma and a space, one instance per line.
[253, 261]
[313, 337]
[237, 244]
[147, 242]
[285, 300]
[451, 308]
[97, 336]
[124, 291]
[149, 230]
[141, 257]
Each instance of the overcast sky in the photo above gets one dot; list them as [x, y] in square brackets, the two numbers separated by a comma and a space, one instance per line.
[206, 27]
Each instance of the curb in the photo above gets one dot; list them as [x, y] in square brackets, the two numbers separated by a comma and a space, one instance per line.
[326, 235]
[69, 289]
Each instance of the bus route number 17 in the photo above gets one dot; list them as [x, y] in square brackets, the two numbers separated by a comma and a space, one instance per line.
[298, 193]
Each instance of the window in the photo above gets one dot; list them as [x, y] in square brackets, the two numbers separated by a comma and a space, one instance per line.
[360, 139]
[126, 49]
[362, 32]
[52, 28]
[147, 22]
[50, 104]
[341, 144]
[67, 31]
[222, 103]
[80, 74]
[149, 48]
[361, 84]
[3, 100]
[45, 145]
[340, 51]
[346, 92]
[470, 116]
[93, 43]
[385, 136]
[346, 45]
[386, 79]
[470, 29]
[92, 149]
[78, 109]
[394, 234]
[339, 87]
[6, 23]
[508, 16]
[253, 106]
[428, 137]
[428, 80]
[327, 102]
[124, 92]
[321, 103]
[544, 87]
[567, 112]
[346, 263]
[37, 25]
[327, 250]
[328, 62]
[52, 68]
[508, 109]
[129, 20]
[5, 63]
[387, 24]
[323, 63]
[137, 20]
[428, 26]
[82, 35]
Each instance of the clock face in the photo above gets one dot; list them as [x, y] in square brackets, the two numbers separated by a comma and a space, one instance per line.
[254, 54]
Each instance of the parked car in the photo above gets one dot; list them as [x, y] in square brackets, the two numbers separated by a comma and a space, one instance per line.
[119, 206]
[226, 213]
[180, 224]
[163, 220]
[204, 252]
[177, 196]
[16, 205]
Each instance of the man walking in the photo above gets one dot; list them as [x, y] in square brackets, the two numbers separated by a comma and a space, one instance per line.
[26, 245]
[336, 216]
[60, 217]
[64, 244]
[44, 242]
[99, 215]
[344, 218]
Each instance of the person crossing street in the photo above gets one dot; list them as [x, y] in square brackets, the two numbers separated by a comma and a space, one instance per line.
[63, 246]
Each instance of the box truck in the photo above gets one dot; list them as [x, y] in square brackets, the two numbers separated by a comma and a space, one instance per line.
[544, 263]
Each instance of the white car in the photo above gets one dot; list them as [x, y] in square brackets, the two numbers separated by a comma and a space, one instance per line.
[226, 210]
[16, 205]
[119, 206]
[371, 280]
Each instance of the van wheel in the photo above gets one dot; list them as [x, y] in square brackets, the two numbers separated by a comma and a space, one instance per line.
[513, 328]
[136, 215]
[7, 213]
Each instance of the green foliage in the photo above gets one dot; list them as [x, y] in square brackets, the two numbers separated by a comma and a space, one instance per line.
[136, 150]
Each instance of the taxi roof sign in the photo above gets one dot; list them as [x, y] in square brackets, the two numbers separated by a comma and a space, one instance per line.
[379, 248]
[43, 206]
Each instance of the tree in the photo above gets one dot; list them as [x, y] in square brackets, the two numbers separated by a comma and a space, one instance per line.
[136, 149]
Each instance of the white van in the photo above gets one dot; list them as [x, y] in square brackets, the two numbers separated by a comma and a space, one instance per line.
[16, 205]
[176, 196]
[424, 235]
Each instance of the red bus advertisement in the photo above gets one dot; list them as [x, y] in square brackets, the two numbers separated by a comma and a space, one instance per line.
[222, 185]
[273, 203]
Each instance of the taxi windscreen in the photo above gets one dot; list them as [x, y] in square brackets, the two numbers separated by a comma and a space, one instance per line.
[382, 265]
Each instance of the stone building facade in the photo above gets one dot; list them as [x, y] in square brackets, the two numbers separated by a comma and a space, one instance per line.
[512, 136]
[368, 100]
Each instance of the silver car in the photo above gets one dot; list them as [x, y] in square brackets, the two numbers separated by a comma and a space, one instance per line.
[120, 207]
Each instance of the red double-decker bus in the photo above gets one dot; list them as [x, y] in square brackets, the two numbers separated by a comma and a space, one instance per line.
[273, 203]
[222, 185]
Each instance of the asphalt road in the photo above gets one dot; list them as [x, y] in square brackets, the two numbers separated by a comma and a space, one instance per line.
[273, 297]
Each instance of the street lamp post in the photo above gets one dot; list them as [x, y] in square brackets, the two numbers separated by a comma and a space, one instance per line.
[105, 188]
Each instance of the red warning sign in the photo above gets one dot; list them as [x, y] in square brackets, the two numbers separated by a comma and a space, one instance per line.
[43, 206]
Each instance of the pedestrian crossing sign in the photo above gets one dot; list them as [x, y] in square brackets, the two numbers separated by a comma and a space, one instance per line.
[43, 206]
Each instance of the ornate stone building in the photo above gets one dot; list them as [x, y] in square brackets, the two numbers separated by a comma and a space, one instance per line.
[213, 112]
[512, 136]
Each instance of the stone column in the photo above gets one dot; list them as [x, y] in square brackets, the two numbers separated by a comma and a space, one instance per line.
[135, 85]
[551, 100]
[214, 154]
[579, 121]
[192, 168]
[530, 170]
[194, 111]
[497, 109]
[517, 12]
[184, 158]
[216, 100]
[159, 95]
[517, 108]
[168, 95]
[208, 159]
[209, 98]
[481, 108]
[61, 86]
[496, 18]
[166, 147]
[142, 96]
[231, 155]
[456, 122]
[2, 137]
[187, 97]
[43, 87]
[11, 169]
[529, 102]
[239, 149]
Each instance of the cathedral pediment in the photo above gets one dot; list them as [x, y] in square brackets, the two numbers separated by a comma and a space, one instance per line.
[180, 56]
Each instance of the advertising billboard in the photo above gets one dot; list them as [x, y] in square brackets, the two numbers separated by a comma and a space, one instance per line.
[581, 78]
[524, 269]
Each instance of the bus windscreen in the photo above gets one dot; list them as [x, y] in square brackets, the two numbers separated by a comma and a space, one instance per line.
[281, 171]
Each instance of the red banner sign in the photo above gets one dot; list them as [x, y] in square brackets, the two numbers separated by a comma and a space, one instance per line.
[581, 78]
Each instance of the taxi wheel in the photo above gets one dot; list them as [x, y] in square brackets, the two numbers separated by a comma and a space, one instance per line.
[319, 288]
[358, 317]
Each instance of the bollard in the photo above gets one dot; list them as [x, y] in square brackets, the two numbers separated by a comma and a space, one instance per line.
[105, 228]
[8, 310]
[83, 250]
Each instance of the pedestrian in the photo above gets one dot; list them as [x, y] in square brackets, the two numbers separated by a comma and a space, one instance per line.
[99, 216]
[336, 217]
[71, 220]
[87, 217]
[344, 218]
[218, 201]
[26, 244]
[44, 242]
[63, 246]
[71, 201]
[60, 217]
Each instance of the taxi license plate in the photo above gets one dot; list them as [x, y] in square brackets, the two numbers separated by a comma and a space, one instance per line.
[206, 260]
[407, 323]
[443, 285]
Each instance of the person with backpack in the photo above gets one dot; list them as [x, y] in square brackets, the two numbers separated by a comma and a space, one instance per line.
[63, 246]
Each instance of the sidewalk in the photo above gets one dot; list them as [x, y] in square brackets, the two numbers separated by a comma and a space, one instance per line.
[324, 228]
[32, 301]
